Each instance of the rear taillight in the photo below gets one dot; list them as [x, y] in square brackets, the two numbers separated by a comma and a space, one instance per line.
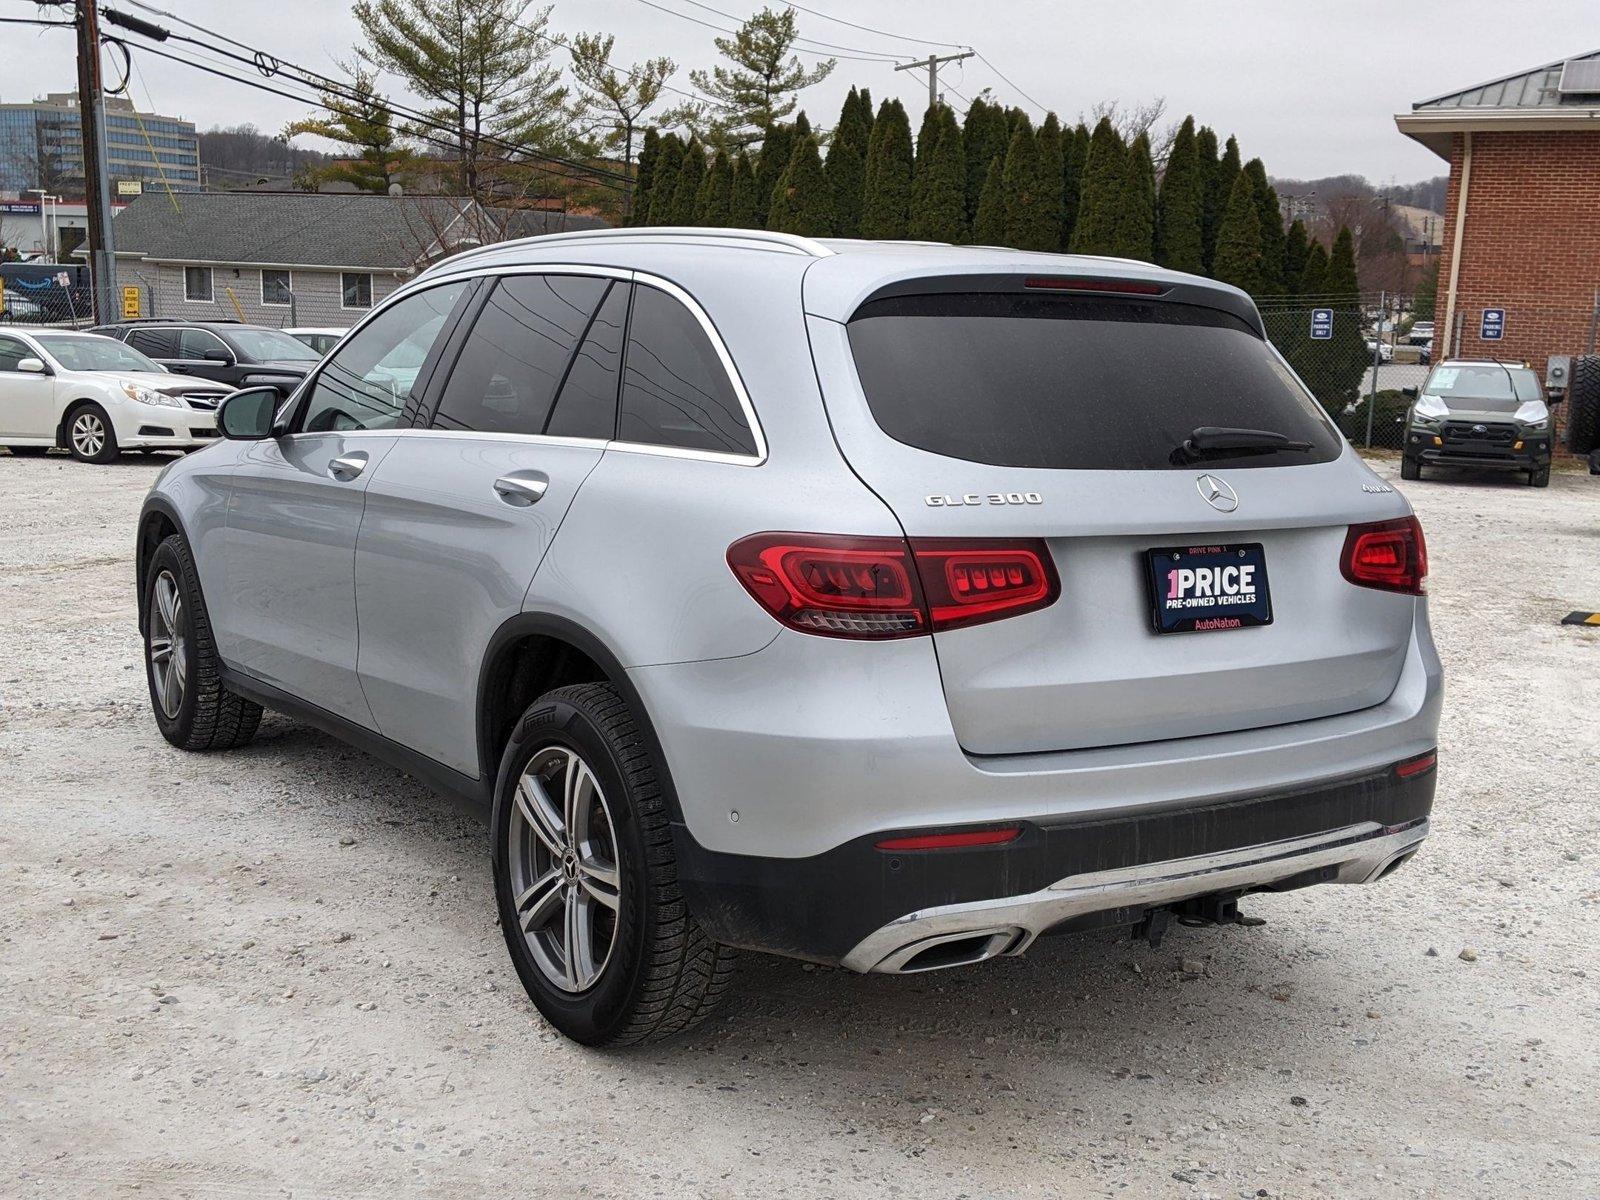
[1386, 554]
[885, 587]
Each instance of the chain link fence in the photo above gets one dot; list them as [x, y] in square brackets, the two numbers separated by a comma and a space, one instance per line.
[46, 295]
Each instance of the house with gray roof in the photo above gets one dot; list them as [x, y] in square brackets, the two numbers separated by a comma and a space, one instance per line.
[299, 258]
[1520, 250]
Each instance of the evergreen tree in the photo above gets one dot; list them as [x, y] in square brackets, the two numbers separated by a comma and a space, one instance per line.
[1180, 205]
[1052, 178]
[989, 229]
[984, 138]
[715, 202]
[1136, 223]
[613, 99]
[656, 208]
[886, 206]
[686, 193]
[865, 109]
[1027, 223]
[927, 136]
[1105, 174]
[1427, 297]
[1219, 190]
[802, 202]
[742, 197]
[644, 177]
[1273, 238]
[846, 167]
[1075, 149]
[1340, 364]
[943, 214]
[777, 148]
[1296, 250]
[1238, 259]
[1313, 276]
[761, 82]
[372, 156]
[802, 127]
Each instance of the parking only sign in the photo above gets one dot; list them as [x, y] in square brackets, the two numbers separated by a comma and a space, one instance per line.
[1493, 327]
[1321, 324]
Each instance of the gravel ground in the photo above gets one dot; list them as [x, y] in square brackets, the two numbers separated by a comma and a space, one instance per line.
[276, 972]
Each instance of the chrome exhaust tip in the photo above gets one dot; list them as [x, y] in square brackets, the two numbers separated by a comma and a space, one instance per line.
[950, 950]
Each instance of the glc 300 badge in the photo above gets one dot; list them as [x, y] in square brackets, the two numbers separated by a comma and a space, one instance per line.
[981, 498]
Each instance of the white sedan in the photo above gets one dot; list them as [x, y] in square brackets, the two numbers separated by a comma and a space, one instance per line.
[94, 397]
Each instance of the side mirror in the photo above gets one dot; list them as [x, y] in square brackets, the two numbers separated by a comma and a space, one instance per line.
[246, 415]
[33, 366]
[1410, 393]
[218, 356]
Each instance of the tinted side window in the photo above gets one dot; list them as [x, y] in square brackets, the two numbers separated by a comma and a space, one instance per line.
[675, 390]
[197, 343]
[157, 343]
[368, 383]
[517, 354]
[11, 353]
[588, 403]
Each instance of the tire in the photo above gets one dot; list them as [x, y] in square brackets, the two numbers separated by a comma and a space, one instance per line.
[1410, 468]
[90, 437]
[1539, 477]
[28, 451]
[192, 706]
[1583, 405]
[649, 972]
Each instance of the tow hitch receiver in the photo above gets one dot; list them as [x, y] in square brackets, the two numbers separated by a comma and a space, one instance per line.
[1219, 908]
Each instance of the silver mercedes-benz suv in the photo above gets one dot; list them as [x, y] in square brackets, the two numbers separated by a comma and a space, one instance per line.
[881, 604]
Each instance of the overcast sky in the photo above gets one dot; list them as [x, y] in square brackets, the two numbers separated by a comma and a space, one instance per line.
[1309, 86]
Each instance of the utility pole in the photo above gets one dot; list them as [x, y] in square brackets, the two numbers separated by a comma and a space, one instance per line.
[931, 66]
[96, 175]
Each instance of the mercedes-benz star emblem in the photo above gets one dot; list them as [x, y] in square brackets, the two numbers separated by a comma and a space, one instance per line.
[1217, 494]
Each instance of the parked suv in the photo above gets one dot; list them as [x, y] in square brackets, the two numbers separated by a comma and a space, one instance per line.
[1479, 414]
[885, 605]
[226, 352]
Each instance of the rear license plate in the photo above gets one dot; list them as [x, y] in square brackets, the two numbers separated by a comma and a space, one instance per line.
[1201, 588]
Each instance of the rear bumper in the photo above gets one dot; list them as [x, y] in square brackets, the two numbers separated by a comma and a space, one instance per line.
[870, 909]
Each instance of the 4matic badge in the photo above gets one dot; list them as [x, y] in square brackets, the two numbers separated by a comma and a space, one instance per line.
[980, 498]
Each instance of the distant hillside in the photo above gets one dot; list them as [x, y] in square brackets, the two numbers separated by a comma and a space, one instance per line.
[239, 156]
[1429, 193]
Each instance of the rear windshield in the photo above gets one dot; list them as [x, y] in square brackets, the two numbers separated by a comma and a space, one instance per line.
[1021, 380]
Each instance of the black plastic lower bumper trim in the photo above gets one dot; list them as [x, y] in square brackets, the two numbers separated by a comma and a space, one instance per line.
[820, 907]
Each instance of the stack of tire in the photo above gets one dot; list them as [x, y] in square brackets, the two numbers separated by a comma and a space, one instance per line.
[1583, 410]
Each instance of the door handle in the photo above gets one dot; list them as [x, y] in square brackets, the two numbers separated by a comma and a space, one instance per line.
[347, 466]
[523, 488]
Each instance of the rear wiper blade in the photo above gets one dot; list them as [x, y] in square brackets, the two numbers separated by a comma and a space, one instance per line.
[1210, 440]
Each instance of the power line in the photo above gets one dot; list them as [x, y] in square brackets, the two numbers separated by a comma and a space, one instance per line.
[1012, 85]
[799, 37]
[672, 12]
[880, 32]
[271, 66]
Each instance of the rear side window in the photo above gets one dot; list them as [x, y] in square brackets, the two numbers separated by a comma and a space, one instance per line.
[675, 390]
[1089, 383]
[157, 343]
[588, 404]
[517, 354]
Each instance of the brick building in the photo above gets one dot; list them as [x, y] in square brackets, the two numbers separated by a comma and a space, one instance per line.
[1522, 214]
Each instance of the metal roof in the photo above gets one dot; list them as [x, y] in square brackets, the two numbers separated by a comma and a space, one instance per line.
[1538, 88]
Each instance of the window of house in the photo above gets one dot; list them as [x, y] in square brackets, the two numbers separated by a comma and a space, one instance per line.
[675, 390]
[356, 289]
[276, 288]
[505, 379]
[197, 283]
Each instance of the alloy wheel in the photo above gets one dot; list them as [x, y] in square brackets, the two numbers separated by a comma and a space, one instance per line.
[565, 876]
[88, 434]
[168, 645]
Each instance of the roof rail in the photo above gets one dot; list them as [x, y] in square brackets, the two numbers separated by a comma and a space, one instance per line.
[789, 242]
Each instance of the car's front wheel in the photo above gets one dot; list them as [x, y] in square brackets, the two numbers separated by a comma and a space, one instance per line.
[1539, 476]
[193, 707]
[90, 437]
[586, 879]
[1410, 468]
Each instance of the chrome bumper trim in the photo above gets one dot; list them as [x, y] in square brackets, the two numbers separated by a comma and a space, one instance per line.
[1360, 852]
